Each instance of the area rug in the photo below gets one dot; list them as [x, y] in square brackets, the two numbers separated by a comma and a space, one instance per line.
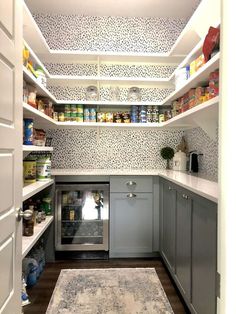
[111, 290]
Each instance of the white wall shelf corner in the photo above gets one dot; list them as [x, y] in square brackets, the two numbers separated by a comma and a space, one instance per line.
[33, 148]
[39, 229]
[30, 190]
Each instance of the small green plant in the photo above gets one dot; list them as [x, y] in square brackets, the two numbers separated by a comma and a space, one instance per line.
[167, 153]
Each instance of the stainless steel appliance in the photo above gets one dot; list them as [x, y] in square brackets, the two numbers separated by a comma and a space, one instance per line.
[82, 217]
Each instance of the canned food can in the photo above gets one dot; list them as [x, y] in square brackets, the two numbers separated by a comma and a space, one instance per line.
[126, 117]
[101, 117]
[28, 131]
[86, 115]
[29, 171]
[118, 117]
[109, 117]
[73, 108]
[67, 109]
[79, 117]
[61, 117]
[80, 109]
[161, 118]
[67, 116]
[55, 116]
[73, 116]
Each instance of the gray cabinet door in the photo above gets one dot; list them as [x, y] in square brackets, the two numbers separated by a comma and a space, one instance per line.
[168, 224]
[183, 242]
[204, 242]
[131, 225]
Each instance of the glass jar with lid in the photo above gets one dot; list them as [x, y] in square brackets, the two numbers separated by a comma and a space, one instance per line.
[92, 93]
[134, 94]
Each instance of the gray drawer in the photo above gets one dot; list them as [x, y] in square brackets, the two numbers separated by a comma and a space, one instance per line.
[131, 184]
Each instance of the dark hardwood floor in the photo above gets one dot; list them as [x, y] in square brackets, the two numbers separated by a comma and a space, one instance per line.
[41, 293]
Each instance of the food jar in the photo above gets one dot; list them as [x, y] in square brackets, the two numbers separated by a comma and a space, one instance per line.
[28, 131]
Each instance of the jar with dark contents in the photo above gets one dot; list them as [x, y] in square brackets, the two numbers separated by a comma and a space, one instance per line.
[118, 117]
[126, 117]
[167, 115]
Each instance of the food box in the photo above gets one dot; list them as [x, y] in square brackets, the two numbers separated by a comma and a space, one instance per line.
[199, 62]
[199, 95]
[191, 98]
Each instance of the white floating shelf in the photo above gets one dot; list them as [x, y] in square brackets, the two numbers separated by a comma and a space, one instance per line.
[31, 32]
[41, 90]
[39, 229]
[108, 103]
[201, 76]
[31, 189]
[107, 124]
[33, 148]
[70, 79]
[209, 109]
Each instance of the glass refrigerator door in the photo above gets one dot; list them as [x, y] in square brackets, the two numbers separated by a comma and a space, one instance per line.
[82, 217]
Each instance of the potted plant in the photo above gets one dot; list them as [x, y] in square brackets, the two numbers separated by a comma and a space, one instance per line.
[167, 153]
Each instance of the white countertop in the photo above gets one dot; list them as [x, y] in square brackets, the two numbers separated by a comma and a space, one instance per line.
[198, 185]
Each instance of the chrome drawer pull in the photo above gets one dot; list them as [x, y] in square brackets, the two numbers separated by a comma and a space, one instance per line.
[185, 196]
[130, 183]
[131, 195]
[170, 188]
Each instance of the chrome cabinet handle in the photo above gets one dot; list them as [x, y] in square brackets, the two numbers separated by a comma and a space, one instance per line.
[185, 196]
[26, 214]
[131, 195]
[131, 183]
[170, 188]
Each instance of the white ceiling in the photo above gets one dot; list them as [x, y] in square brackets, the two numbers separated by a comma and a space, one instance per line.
[135, 8]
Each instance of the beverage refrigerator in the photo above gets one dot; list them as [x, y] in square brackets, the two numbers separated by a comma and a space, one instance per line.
[82, 217]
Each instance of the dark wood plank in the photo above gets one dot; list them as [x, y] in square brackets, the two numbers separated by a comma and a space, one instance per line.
[41, 293]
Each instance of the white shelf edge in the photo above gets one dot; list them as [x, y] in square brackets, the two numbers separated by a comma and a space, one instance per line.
[31, 189]
[39, 229]
[108, 103]
[104, 78]
[29, 76]
[108, 124]
[33, 148]
[214, 62]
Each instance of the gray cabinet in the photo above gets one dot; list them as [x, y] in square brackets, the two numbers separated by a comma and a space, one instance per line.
[131, 217]
[204, 245]
[183, 242]
[168, 218]
[193, 230]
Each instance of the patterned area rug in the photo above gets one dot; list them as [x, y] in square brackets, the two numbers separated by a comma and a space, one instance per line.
[112, 290]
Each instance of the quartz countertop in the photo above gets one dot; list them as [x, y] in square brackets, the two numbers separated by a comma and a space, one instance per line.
[192, 182]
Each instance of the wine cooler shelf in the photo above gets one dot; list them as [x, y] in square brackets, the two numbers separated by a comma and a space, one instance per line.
[82, 216]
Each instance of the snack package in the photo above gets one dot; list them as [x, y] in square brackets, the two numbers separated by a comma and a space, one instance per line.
[211, 42]
[199, 62]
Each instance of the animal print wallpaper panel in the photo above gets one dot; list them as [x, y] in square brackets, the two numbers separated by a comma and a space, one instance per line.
[109, 33]
[107, 148]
